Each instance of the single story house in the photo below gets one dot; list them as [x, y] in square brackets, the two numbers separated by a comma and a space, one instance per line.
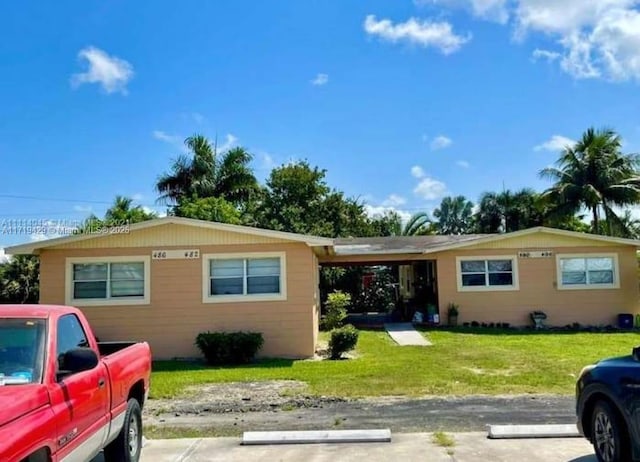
[168, 279]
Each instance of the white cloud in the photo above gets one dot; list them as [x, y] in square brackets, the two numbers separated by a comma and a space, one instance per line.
[82, 208]
[267, 161]
[463, 164]
[493, 10]
[111, 72]
[566, 16]
[426, 33]
[545, 54]
[556, 143]
[197, 117]
[320, 80]
[430, 189]
[50, 229]
[441, 142]
[595, 38]
[147, 209]
[3, 256]
[137, 197]
[167, 138]
[394, 200]
[374, 211]
[230, 141]
[417, 171]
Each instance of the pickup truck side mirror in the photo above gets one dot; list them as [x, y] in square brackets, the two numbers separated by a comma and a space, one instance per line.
[77, 360]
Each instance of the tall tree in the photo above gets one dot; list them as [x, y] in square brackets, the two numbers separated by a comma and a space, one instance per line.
[123, 211]
[293, 199]
[388, 223]
[418, 224]
[594, 175]
[455, 215]
[209, 209]
[298, 199]
[19, 279]
[508, 211]
[205, 173]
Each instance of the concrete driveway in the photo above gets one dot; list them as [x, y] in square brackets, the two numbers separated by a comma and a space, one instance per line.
[469, 447]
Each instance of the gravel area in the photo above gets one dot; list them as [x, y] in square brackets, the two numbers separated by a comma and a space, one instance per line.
[285, 405]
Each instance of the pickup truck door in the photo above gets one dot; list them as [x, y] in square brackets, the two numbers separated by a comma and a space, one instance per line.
[80, 401]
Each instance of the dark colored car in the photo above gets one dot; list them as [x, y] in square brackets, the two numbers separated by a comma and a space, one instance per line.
[608, 407]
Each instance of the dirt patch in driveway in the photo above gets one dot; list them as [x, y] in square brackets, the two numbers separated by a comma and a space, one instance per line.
[231, 408]
[240, 397]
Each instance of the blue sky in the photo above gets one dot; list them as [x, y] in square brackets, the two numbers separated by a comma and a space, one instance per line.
[401, 101]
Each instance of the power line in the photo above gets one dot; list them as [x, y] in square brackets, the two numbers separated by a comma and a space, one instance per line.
[74, 201]
[51, 199]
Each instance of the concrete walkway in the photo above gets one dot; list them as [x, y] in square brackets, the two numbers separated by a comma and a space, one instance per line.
[404, 334]
[468, 447]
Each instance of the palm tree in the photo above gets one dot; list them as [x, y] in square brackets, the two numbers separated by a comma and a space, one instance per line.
[454, 215]
[490, 215]
[626, 226]
[595, 175]
[508, 211]
[205, 173]
[19, 278]
[418, 224]
[122, 212]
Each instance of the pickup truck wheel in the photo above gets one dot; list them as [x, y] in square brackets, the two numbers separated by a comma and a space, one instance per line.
[128, 445]
[609, 434]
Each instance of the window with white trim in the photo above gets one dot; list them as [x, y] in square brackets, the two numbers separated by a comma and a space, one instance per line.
[484, 273]
[115, 280]
[108, 280]
[587, 271]
[244, 277]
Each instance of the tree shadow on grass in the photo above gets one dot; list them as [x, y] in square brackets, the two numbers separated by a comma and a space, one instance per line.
[199, 365]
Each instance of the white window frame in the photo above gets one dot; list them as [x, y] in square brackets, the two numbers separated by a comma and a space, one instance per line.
[486, 288]
[144, 300]
[616, 272]
[208, 298]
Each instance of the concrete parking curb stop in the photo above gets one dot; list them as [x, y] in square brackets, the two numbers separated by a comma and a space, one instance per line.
[533, 431]
[315, 437]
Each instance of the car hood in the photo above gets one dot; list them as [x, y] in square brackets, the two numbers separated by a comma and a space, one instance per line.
[617, 361]
[18, 400]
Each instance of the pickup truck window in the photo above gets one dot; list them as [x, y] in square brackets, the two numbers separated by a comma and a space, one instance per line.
[21, 350]
[70, 335]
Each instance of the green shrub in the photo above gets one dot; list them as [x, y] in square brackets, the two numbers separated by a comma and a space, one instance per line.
[229, 347]
[342, 340]
[336, 310]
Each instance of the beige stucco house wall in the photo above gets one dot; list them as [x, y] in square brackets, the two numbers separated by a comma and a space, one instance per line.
[176, 306]
[538, 288]
[536, 255]
[176, 303]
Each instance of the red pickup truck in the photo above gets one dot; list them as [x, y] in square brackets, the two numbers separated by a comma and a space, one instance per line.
[63, 395]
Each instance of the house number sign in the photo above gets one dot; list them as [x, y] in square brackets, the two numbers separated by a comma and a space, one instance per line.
[188, 254]
[536, 254]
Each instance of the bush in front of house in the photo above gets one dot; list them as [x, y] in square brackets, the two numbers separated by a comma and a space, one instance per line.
[229, 347]
[342, 340]
[336, 310]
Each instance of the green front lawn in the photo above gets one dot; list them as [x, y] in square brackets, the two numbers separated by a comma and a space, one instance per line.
[458, 363]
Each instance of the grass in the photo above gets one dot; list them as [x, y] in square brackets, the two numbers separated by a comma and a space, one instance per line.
[443, 440]
[161, 432]
[462, 362]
